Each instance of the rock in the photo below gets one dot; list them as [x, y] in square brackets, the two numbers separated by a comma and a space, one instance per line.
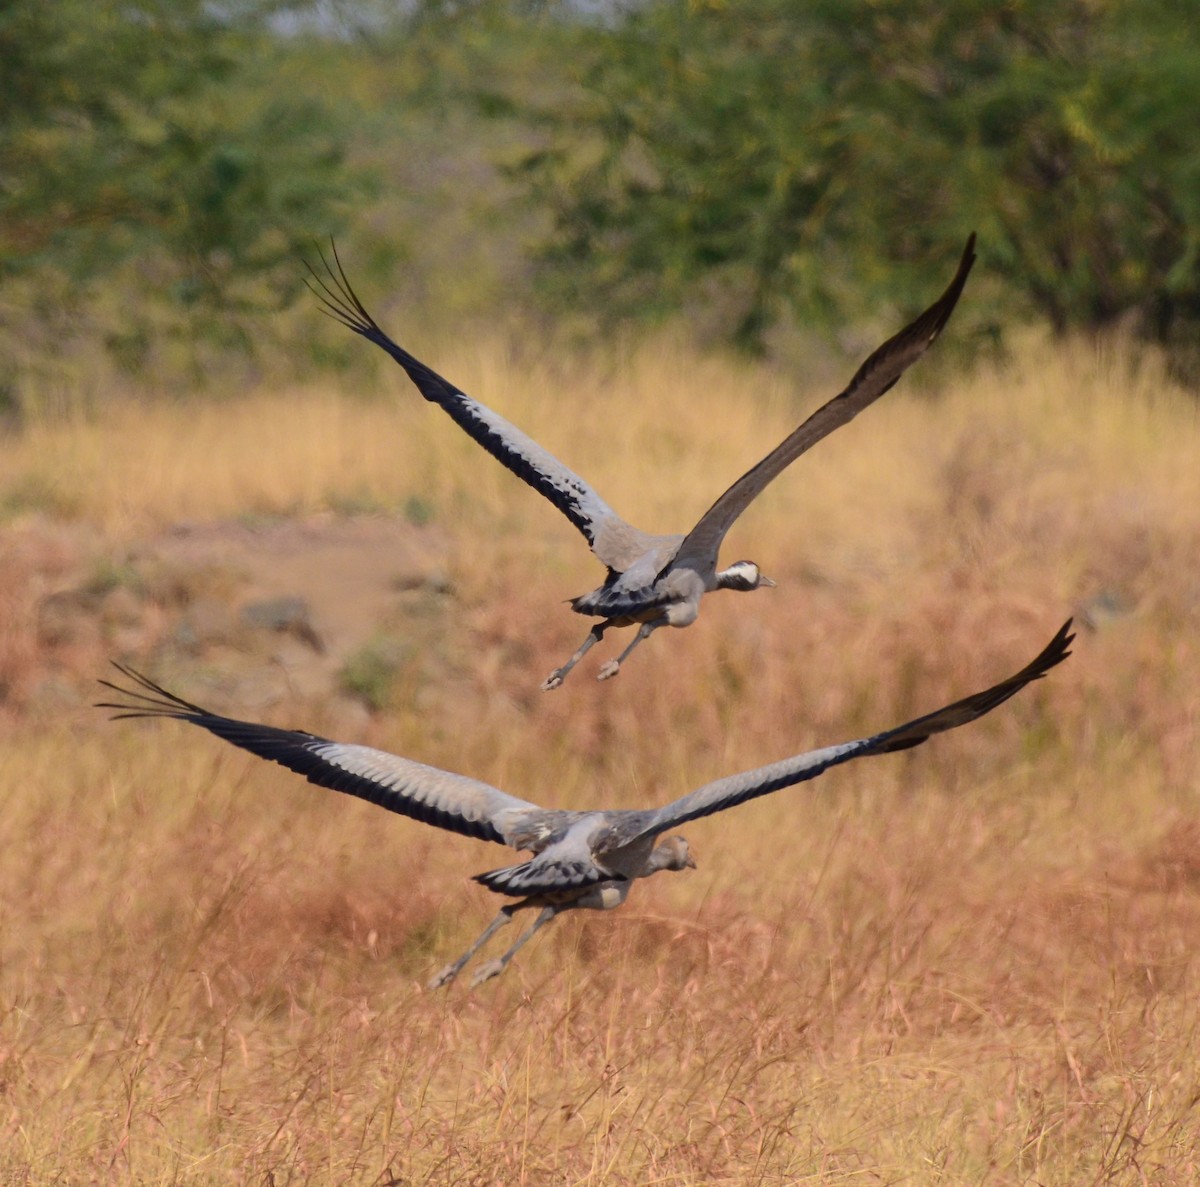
[286, 616]
[121, 607]
[435, 581]
[67, 617]
[206, 621]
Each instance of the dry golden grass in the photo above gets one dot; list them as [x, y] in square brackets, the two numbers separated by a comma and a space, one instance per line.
[972, 963]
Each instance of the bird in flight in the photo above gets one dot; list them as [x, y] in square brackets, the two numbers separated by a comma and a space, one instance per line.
[580, 860]
[652, 581]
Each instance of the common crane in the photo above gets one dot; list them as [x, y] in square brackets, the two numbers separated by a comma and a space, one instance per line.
[652, 581]
[581, 860]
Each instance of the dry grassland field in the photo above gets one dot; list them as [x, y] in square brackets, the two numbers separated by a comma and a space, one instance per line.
[975, 962]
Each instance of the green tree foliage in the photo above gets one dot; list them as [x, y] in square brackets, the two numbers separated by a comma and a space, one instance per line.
[155, 177]
[787, 155]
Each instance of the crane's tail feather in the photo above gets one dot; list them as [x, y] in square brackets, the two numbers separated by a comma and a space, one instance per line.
[543, 877]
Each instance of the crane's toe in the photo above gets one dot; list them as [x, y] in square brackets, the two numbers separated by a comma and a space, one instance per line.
[486, 971]
[553, 681]
[444, 977]
[609, 670]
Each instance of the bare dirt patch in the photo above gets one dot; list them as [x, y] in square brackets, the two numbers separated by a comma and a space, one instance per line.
[281, 604]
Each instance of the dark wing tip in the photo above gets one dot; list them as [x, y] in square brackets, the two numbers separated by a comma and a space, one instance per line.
[147, 699]
[978, 704]
[339, 301]
[1049, 657]
[931, 323]
[1057, 649]
[336, 294]
[903, 348]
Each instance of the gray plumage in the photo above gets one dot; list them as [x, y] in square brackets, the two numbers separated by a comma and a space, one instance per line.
[579, 859]
[652, 580]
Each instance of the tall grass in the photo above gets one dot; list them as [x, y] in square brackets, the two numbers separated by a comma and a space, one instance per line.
[974, 962]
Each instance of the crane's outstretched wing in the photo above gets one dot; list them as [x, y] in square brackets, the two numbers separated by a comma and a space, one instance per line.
[504, 441]
[737, 789]
[434, 796]
[876, 376]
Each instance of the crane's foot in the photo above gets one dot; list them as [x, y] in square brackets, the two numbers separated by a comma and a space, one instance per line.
[444, 977]
[554, 680]
[609, 670]
[487, 970]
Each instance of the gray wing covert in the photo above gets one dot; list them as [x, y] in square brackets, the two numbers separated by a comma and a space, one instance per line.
[748, 785]
[433, 796]
[441, 798]
[875, 377]
[522, 455]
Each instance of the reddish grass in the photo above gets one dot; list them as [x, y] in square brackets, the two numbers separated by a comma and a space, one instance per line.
[974, 962]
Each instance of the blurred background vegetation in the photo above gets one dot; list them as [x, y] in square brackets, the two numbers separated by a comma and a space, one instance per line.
[759, 173]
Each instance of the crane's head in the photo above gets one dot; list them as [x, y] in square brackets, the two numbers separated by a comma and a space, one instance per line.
[743, 575]
[673, 854]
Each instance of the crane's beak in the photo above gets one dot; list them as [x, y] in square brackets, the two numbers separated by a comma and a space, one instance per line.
[690, 863]
[765, 582]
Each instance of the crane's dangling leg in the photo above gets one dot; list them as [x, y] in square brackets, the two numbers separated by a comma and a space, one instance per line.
[610, 669]
[503, 919]
[493, 968]
[560, 674]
